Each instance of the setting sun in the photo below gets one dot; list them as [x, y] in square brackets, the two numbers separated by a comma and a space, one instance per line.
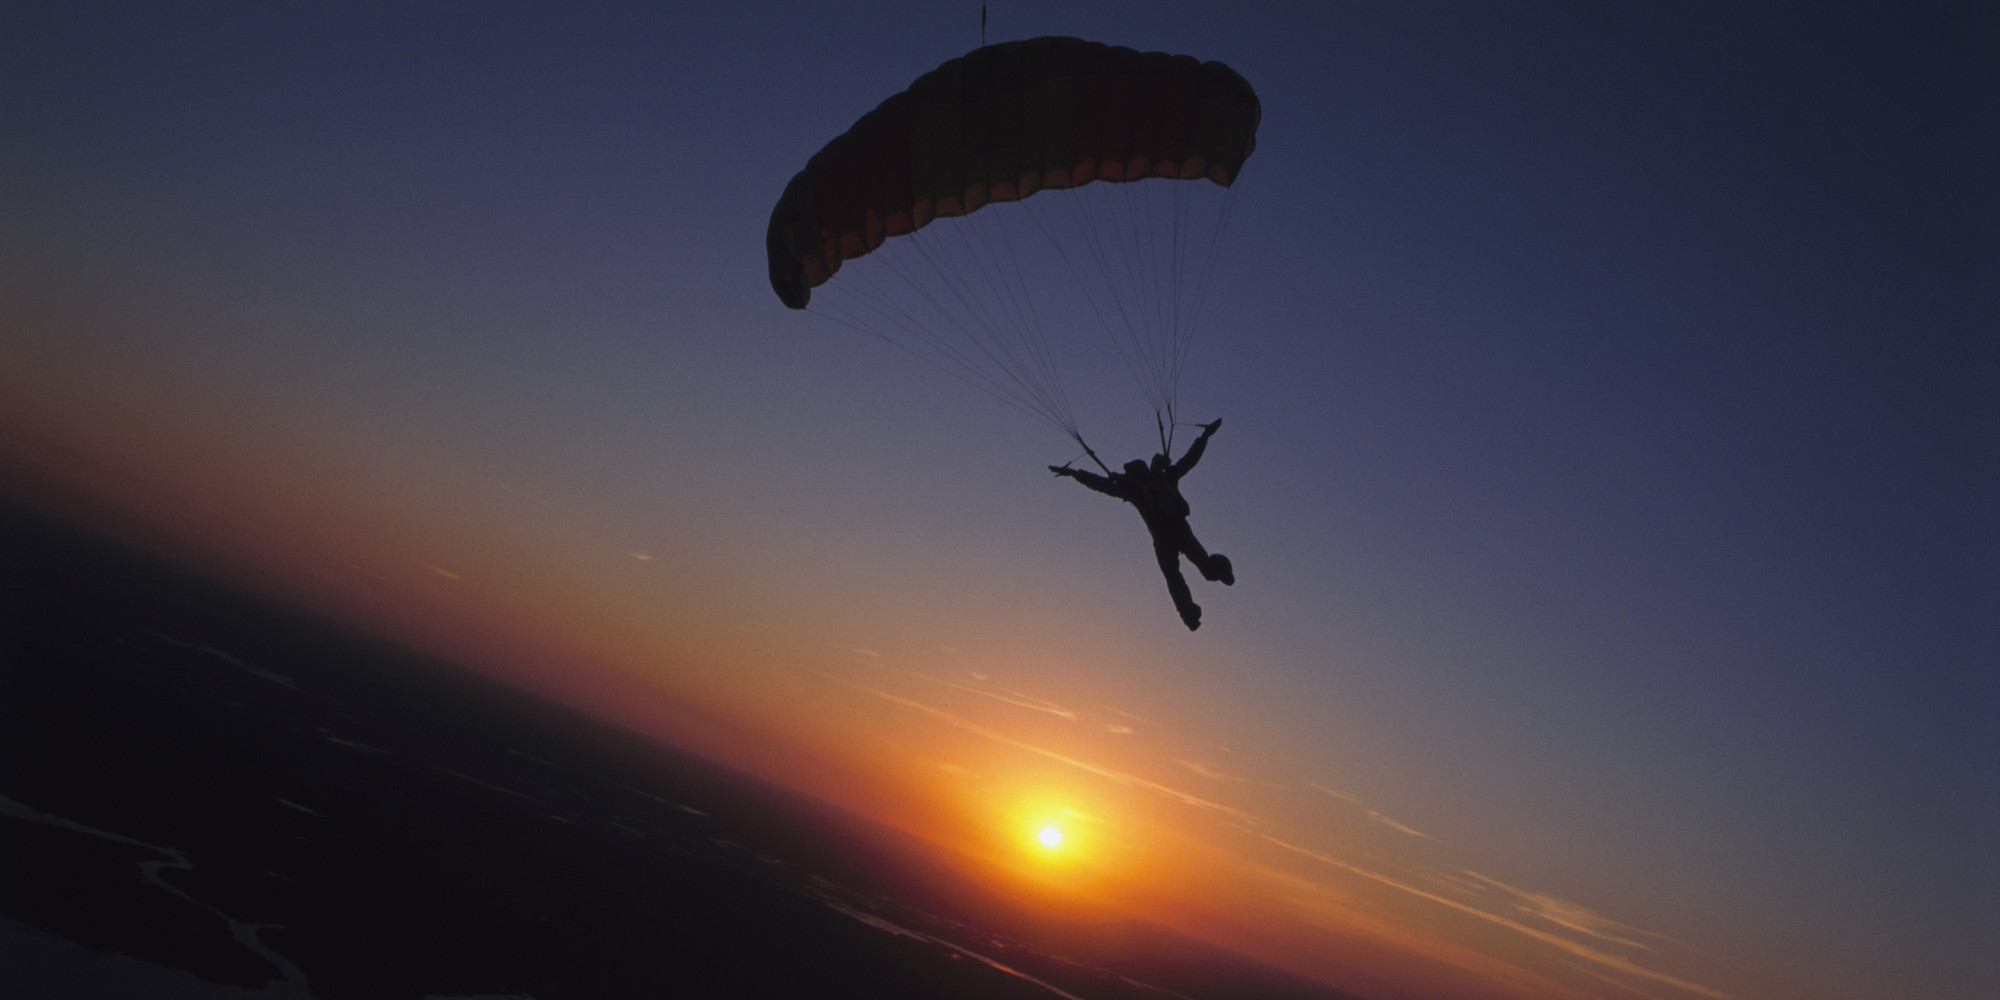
[1050, 836]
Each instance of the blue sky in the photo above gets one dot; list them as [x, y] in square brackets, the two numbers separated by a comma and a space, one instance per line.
[1609, 458]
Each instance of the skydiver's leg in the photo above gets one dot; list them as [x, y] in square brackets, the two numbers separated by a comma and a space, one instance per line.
[1170, 567]
[1218, 568]
[1212, 567]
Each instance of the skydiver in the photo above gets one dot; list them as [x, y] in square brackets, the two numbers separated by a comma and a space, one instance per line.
[1156, 492]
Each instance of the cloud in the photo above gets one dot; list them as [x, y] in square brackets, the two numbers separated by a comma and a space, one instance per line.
[1207, 770]
[1342, 796]
[641, 556]
[1014, 698]
[1140, 719]
[363, 570]
[1355, 800]
[1574, 948]
[1568, 915]
[1398, 827]
[1120, 777]
[441, 571]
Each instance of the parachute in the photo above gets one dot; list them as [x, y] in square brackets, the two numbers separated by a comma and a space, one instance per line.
[1001, 125]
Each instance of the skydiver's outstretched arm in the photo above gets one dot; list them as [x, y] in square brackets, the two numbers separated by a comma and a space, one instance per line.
[1195, 450]
[1090, 479]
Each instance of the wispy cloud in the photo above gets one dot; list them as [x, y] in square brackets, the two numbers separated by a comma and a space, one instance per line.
[1014, 698]
[1208, 769]
[363, 570]
[1140, 719]
[1372, 814]
[1579, 950]
[441, 571]
[1244, 820]
[1398, 827]
[1342, 796]
[1568, 915]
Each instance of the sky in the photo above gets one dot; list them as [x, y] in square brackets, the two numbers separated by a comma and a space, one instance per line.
[1609, 463]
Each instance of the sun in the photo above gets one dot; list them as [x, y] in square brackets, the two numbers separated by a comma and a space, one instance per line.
[1050, 836]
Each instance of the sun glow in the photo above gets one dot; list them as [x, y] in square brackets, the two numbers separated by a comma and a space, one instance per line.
[1049, 842]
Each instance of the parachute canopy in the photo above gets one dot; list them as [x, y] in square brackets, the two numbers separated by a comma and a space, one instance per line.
[998, 125]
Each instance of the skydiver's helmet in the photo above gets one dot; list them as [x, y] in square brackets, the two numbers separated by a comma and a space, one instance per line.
[1160, 463]
[1135, 468]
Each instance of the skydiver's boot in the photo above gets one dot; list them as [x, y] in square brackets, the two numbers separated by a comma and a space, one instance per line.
[1218, 568]
[1191, 614]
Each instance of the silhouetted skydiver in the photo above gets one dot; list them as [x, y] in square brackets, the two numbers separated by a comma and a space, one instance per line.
[1156, 492]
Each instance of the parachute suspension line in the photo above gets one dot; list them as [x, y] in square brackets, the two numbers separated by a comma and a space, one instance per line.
[938, 342]
[1033, 339]
[1091, 242]
[1145, 284]
[1151, 231]
[1071, 266]
[1037, 383]
[1074, 266]
[1085, 445]
[1149, 286]
[1049, 362]
[1138, 195]
[1145, 277]
[1183, 328]
[990, 338]
[1201, 284]
[1159, 282]
[1131, 343]
[1130, 248]
[1029, 355]
[861, 288]
[962, 367]
[1188, 291]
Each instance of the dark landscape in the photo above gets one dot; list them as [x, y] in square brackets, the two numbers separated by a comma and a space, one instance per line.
[203, 795]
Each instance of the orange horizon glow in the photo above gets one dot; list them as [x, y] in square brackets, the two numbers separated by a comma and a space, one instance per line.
[1084, 813]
